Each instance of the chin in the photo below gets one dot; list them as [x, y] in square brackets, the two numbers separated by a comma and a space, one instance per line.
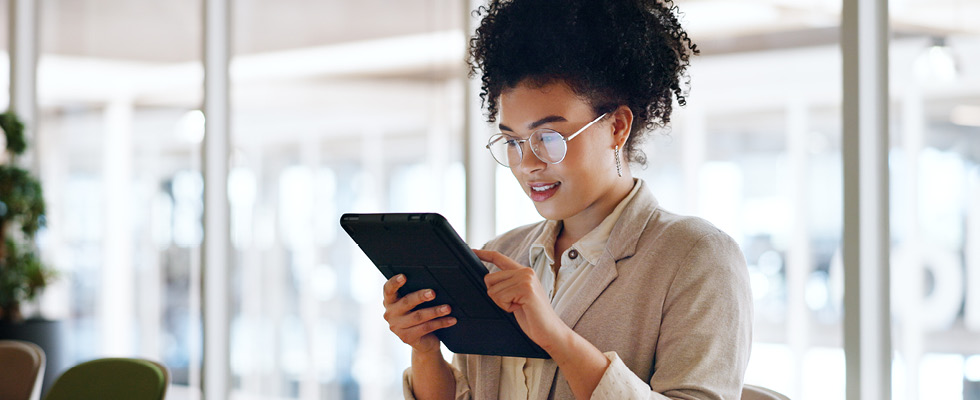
[548, 212]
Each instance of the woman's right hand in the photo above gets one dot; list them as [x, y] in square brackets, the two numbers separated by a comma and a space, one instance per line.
[414, 327]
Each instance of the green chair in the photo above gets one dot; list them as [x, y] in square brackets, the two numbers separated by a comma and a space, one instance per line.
[112, 379]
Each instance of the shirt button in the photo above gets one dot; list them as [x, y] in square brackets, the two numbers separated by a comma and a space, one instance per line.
[572, 254]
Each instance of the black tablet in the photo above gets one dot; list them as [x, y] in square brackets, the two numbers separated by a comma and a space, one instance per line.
[425, 248]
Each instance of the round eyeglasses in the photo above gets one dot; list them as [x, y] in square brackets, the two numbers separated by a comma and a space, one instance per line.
[547, 145]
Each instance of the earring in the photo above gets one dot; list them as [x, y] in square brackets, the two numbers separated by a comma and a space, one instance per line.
[619, 165]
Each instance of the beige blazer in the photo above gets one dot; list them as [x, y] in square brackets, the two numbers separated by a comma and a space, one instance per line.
[670, 296]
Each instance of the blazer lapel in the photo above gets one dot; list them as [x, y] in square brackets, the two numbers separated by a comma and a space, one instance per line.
[621, 244]
[602, 275]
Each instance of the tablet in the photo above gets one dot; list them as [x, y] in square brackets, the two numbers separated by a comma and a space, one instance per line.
[425, 248]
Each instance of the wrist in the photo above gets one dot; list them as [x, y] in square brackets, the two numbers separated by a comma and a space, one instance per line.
[560, 340]
[428, 355]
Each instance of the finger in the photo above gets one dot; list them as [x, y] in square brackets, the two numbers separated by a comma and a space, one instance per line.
[501, 302]
[501, 261]
[523, 275]
[509, 295]
[410, 323]
[396, 312]
[411, 300]
[412, 334]
[505, 284]
[505, 290]
[424, 315]
[391, 288]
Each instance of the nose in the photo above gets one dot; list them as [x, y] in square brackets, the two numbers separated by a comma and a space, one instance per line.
[530, 161]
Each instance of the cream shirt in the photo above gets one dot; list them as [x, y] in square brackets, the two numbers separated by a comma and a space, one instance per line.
[520, 377]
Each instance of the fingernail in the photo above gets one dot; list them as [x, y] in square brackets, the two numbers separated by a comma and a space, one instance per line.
[400, 278]
[444, 309]
[451, 321]
[429, 294]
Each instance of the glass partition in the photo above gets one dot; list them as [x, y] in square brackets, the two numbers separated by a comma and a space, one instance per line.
[935, 197]
[756, 152]
[336, 107]
[118, 138]
[759, 157]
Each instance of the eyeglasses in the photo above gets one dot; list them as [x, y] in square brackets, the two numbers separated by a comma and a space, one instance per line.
[547, 145]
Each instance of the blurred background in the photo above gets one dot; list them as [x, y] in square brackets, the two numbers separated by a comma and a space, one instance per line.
[364, 106]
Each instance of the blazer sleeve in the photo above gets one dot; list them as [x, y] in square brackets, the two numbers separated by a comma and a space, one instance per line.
[705, 334]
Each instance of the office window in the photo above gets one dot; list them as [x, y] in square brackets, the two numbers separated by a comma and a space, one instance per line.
[935, 198]
[118, 137]
[336, 107]
[757, 153]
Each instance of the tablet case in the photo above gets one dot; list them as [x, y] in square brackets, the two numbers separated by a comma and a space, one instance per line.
[425, 248]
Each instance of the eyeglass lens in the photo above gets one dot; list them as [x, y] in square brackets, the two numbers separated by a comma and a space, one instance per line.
[548, 145]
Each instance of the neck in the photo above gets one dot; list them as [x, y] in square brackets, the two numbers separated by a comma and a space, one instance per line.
[577, 226]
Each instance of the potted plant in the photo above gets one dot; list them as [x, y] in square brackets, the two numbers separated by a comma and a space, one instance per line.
[22, 275]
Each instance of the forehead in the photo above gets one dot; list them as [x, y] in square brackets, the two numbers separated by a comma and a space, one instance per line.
[527, 103]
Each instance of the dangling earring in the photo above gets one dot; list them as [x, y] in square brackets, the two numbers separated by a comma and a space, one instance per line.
[619, 165]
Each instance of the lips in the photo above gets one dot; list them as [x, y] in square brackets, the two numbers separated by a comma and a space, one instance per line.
[543, 191]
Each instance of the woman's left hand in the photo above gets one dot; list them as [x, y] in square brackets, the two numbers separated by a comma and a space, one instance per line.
[515, 288]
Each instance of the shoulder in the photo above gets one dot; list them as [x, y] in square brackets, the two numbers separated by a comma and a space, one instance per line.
[677, 243]
[684, 232]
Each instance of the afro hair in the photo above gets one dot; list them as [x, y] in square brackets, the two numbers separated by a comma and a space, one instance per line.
[610, 52]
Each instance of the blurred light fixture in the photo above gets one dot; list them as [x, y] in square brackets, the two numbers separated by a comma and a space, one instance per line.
[971, 368]
[817, 291]
[190, 127]
[965, 115]
[937, 63]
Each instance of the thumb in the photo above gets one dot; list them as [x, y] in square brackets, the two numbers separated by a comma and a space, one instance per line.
[501, 261]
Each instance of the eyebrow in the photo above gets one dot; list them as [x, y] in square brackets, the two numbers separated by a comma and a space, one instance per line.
[535, 124]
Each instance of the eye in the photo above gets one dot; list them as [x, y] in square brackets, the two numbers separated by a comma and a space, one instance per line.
[550, 137]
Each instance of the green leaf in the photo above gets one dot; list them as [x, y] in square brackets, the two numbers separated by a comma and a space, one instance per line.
[13, 129]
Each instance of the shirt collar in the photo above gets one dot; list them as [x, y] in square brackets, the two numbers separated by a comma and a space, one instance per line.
[544, 244]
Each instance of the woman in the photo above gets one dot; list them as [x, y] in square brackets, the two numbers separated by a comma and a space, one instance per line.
[629, 300]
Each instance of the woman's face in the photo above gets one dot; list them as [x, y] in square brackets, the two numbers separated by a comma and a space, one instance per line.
[581, 184]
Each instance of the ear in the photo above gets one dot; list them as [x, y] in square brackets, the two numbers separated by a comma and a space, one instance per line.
[622, 122]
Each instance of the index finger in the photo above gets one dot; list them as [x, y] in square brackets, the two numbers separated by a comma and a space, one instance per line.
[496, 258]
[391, 288]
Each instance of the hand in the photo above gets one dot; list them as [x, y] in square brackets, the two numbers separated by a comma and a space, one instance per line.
[515, 288]
[414, 327]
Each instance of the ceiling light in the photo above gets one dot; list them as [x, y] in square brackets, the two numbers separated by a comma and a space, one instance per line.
[937, 63]
[190, 127]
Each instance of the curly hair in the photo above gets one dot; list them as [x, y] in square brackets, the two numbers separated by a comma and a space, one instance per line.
[610, 52]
